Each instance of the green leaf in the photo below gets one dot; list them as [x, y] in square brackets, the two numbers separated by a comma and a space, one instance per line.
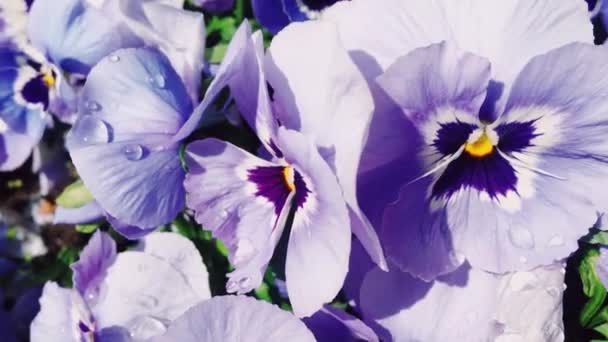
[602, 329]
[74, 195]
[68, 255]
[592, 287]
[221, 247]
[263, 292]
[600, 238]
[216, 54]
[87, 228]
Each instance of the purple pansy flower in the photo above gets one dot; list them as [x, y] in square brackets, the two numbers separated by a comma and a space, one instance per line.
[466, 305]
[75, 34]
[276, 14]
[24, 98]
[483, 143]
[132, 296]
[311, 167]
[137, 112]
[236, 318]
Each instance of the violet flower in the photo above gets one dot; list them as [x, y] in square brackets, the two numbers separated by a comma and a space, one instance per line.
[131, 296]
[310, 168]
[486, 138]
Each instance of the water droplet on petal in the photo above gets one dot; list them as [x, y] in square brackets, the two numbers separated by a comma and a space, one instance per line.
[143, 328]
[92, 106]
[114, 58]
[91, 130]
[158, 80]
[556, 241]
[133, 152]
[3, 126]
[244, 283]
[523, 259]
[523, 281]
[521, 238]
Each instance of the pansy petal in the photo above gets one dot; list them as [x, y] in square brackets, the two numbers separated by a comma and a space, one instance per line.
[409, 309]
[557, 175]
[601, 267]
[54, 321]
[332, 324]
[228, 70]
[238, 205]
[507, 33]
[215, 6]
[236, 318]
[510, 33]
[132, 104]
[177, 33]
[530, 305]
[91, 267]
[334, 107]
[142, 293]
[428, 80]
[320, 238]
[183, 255]
[74, 34]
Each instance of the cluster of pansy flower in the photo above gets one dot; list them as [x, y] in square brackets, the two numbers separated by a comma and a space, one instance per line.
[437, 161]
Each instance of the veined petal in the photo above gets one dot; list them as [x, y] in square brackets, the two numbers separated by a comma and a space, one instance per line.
[320, 239]
[132, 104]
[179, 34]
[183, 255]
[90, 269]
[240, 198]
[332, 324]
[236, 318]
[87, 213]
[228, 71]
[143, 293]
[333, 106]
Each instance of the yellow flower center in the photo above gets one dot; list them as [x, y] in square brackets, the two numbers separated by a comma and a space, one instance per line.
[481, 147]
[288, 177]
[48, 79]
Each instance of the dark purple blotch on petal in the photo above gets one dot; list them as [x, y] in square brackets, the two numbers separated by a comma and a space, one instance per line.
[492, 174]
[317, 5]
[301, 189]
[272, 184]
[516, 136]
[451, 136]
[36, 91]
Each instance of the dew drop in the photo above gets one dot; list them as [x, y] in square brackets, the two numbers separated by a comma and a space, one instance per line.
[523, 281]
[244, 283]
[158, 80]
[92, 106]
[521, 238]
[556, 241]
[114, 58]
[91, 130]
[145, 327]
[133, 152]
[523, 259]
